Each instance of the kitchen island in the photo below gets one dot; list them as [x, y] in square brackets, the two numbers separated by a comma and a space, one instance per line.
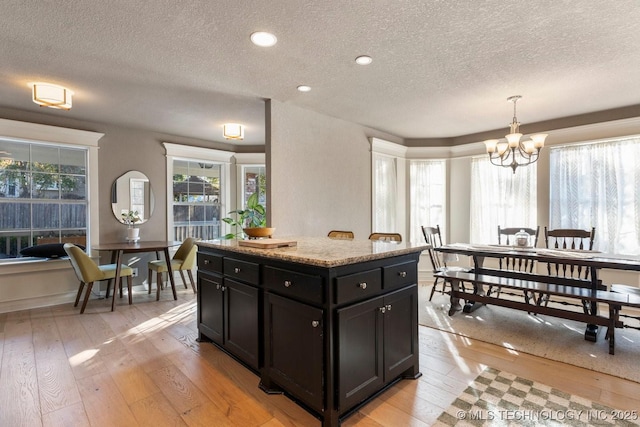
[331, 323]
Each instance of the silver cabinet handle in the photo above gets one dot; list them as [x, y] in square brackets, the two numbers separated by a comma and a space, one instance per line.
[382, 309]
[363, 285]
[224, 288]
[236, 270]
[402, 274]
[287, 283]
[388, 307]
[218, 286]
[206, 261]
[315, 323]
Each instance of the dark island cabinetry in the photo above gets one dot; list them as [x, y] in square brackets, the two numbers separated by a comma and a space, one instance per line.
[228, 309]
[375, 344]
[329, 331]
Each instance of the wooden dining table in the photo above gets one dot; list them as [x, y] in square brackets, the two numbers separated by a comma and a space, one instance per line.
[118, 249]
[592, 260]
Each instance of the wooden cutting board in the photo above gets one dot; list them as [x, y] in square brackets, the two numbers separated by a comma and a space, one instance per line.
[268, 243]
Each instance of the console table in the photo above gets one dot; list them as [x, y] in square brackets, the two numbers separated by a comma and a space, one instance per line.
[328, 322]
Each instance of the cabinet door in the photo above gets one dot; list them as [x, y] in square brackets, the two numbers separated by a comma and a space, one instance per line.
[293, 348]
[360, 351]
[210, 307]
[241, 321]
[400, 332]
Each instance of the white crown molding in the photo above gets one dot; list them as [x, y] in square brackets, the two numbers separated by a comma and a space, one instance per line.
[25, 131]
[380, 146]
[200, 153]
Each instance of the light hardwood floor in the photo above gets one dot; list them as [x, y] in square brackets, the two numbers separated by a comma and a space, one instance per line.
[141, 366]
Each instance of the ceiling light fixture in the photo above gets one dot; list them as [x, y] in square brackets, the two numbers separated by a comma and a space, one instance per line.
[263, 39]
[233, 131]
[364, 60]
[50, 95]
[513, 152]
[304, 88]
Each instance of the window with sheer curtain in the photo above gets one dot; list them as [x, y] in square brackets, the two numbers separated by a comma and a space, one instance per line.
[384, 194]
[598, 185]
[427, 197]
[501, 198]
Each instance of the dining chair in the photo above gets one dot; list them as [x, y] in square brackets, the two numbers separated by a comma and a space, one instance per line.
[388, 237]
[339, 234]
[89, 272]
[507, 236]
[568, 239]
[183, 259]
[433, 238]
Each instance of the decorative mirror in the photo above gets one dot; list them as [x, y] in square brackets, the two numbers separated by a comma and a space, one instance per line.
[132, 192]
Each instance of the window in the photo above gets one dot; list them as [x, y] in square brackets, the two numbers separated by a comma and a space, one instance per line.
[197, 191]
[598, 185]
[43, 195]
[501, 198]
[254, 178]
[428, 197]
[196, 199]
[384, 194]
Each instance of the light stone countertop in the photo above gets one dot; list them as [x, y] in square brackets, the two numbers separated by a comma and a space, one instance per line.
[322, 251]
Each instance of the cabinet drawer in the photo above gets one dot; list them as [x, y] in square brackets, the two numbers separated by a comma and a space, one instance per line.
[398, 275]
[292, 284]
[242, 270]
[353, 287]
[209, 262]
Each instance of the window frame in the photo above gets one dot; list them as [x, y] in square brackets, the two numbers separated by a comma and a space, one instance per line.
[23, 132]
[199, 154]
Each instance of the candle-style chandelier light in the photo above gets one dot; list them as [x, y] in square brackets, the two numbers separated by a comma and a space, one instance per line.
[513, 152]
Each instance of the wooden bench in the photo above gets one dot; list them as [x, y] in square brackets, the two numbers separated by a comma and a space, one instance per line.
[578, 289]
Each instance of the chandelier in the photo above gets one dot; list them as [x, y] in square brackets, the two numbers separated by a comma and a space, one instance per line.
[513, 152]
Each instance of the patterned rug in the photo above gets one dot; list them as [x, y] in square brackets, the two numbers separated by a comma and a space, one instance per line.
[497, 398]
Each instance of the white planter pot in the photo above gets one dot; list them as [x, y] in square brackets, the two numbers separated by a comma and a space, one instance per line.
[133, 233]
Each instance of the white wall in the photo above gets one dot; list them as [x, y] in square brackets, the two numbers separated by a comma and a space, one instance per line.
[319, 173]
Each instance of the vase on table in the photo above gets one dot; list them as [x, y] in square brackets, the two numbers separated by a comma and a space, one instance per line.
[133, 234]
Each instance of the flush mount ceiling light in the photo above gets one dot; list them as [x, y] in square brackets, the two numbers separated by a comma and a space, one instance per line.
[513, 152]
[263, 39]
[304, 88]
[364, 60]
[50, 95]
[233, 131]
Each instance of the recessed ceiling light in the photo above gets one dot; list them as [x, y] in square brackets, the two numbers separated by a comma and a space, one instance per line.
[363, 60]
[304, 88]
[261, 38]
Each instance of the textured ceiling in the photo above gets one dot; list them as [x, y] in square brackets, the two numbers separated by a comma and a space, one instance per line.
[440, 68]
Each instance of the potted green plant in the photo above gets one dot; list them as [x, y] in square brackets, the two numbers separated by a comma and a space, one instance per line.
[252, 220]
[130, 218]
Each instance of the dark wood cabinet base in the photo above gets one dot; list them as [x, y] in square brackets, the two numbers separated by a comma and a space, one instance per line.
[330, 338]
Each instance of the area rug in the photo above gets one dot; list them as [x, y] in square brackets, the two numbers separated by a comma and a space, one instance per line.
[500, 398]
[545, 336]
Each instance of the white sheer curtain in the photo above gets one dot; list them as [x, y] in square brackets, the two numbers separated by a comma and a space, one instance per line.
[500, 197]
[598, 185]
[427, 197]
[384, 194]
